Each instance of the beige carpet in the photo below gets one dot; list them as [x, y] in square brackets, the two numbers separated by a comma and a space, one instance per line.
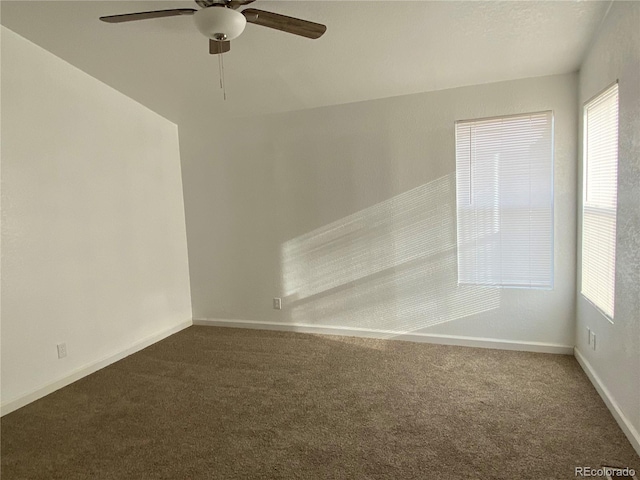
[222, 403]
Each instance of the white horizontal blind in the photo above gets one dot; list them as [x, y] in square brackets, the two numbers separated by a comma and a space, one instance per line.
[504, 173]
[600, 195]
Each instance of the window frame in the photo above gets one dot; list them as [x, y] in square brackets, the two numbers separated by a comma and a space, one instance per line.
[551, 284]
[585, 106]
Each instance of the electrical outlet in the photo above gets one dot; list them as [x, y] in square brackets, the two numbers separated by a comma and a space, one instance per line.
[593, 340]
[62, 350]
[277, 303]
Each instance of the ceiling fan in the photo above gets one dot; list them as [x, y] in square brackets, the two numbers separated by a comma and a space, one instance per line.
[220, 21]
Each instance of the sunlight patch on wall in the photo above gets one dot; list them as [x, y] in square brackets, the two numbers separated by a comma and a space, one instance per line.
[390, 267]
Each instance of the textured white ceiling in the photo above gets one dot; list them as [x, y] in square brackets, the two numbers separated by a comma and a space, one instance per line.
[372, 49]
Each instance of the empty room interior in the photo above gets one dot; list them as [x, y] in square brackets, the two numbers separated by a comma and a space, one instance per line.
[316, 239]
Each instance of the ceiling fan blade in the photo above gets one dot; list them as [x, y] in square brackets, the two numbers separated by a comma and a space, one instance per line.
[216, 47]
[284, 23]
[130, 17]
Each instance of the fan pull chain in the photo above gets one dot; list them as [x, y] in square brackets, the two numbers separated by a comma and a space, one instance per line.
[221, 74]
[224, 86]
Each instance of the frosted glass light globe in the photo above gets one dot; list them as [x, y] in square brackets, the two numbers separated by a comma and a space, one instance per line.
[219, 23]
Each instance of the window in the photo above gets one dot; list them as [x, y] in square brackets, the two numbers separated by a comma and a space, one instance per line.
[504, 178]
[600, 195]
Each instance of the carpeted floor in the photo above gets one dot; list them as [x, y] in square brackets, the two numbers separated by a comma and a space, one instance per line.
[222, 403]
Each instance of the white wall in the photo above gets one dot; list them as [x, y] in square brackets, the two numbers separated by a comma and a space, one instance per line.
[615, 54]
[348, 213]
[94, 247]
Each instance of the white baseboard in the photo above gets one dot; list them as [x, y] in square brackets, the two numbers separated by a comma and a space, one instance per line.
[626, 426]
[408, 336]
[77, 374]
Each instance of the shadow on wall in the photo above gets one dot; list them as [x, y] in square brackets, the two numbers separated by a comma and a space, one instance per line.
[390, 268]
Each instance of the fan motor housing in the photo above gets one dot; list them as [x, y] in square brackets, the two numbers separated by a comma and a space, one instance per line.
[209, 3]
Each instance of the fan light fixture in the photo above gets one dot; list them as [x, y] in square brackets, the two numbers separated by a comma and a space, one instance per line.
[220, 23]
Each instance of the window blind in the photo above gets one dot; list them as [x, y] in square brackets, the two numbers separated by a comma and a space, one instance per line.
[504, 178]
[600, 195]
